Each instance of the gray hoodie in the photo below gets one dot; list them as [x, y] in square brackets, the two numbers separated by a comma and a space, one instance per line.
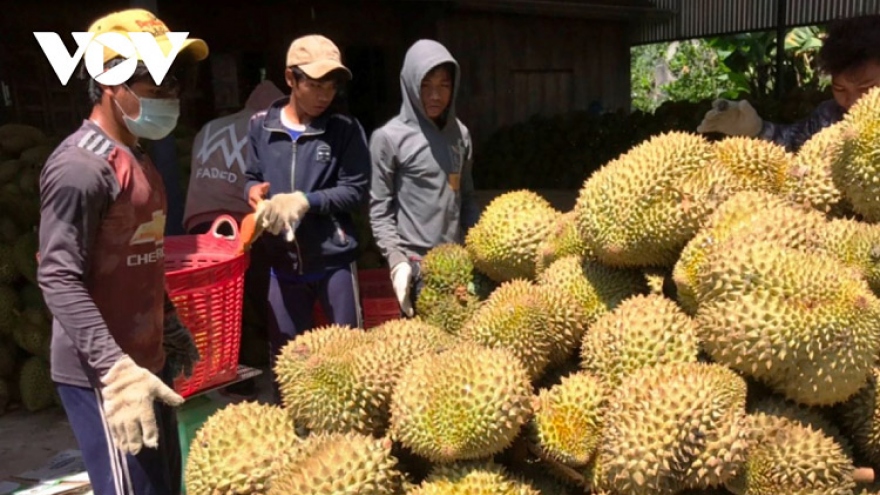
[412, 206]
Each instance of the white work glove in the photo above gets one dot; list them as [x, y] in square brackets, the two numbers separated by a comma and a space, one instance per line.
[282, 212]
[129, 394]
[401, 280]
[734, 118]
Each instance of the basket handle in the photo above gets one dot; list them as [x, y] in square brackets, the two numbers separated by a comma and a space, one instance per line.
[227, 220]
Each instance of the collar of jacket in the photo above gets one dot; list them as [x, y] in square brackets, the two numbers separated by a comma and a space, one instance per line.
[272, 122]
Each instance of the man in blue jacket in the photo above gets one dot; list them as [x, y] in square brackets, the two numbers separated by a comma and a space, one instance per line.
[850, 54]
[308, 169]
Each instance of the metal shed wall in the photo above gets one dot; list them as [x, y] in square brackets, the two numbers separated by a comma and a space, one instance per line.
[701, 18]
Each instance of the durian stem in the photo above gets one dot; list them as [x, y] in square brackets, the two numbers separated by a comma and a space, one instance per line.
[575, 476]
[863, 475]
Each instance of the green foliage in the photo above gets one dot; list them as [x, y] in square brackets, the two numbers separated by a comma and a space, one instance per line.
[733, 66]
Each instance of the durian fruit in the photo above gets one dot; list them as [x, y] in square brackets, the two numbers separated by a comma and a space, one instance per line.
[859, 417]
[564, 240]
[856, 168]
[504, 243]
[239, 449]
[754, 215]
[856, 244]
[789, 454]
[596, 288]
[541, 326]
[448, 311]
[15, 138]
[35, 384]
[802, 323]
[671, 427]
[810, 182]
[33, 332]
[567, 421]
[642, 331]
[448, 297]
[641, 208]
[339, 463]
[347, 388]
[8, 353]
[9, 273]
[473, 478]
[24, 255]
[447, 267]
[467, 402]
[9, 304]
[754, 164]
[298, 356]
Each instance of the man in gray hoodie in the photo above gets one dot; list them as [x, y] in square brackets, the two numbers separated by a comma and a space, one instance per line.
[422, 189]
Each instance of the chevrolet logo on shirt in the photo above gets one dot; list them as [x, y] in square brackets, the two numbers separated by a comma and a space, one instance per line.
[152, 231]
[146, 233]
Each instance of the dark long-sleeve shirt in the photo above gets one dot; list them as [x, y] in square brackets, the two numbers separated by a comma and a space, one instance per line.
[101, 264]
[793, 136]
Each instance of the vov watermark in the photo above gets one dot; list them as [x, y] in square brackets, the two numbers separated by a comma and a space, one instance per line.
[136, 45]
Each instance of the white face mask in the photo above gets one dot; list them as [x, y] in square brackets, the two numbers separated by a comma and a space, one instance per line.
[158, 117]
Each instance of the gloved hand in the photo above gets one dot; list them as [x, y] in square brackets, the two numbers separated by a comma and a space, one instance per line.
[129, 393]
[180, 349]
[734, 118]
[401, 280]
[282, 211]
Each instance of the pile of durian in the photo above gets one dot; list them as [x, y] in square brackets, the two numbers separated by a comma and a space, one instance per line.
[704, 320]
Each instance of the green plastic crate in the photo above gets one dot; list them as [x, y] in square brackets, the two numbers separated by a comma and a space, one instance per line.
[190, 417]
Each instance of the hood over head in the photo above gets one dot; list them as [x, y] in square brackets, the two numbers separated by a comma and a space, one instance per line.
[421, 57]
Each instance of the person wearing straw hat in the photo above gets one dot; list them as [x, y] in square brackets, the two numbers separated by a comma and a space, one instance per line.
[308, 171]
[117, 343]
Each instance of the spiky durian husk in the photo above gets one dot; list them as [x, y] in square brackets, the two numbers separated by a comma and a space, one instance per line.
[856, 168]
[671, 427]
[504, 242]
[516, 318]
[567, 424]
[564, 240]
[810, 182]
[754, 164]
[340, 463]
[859, 417]
[789, 454]
[802, 323]
[447, 310]
[447, 268]
[472, 478]
[641, 208]
[468, 402]
[596, 288]
[856, 244]
[345, 386]
[755, 215]
[239, 449]
[642, 331]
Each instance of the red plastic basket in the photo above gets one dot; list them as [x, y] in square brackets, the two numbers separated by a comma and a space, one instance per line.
[378, 301]
[204, 276]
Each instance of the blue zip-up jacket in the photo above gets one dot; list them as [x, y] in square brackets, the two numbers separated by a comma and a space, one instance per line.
[330, 163]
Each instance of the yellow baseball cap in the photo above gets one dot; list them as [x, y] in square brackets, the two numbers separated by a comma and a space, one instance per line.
[144, 21]
[315, 55]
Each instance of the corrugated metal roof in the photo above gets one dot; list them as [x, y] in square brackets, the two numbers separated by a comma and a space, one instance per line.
[701, 18]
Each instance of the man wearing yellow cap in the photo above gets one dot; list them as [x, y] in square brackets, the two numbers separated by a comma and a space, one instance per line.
[116, 341]
[308, 169]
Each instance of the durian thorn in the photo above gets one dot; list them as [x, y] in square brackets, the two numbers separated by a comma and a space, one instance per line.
[864, 475]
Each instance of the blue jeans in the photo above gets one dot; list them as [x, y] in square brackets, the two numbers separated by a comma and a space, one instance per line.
[292, 302]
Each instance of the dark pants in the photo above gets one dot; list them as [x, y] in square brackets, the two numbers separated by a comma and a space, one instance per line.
[292, 303]
[150, 472]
